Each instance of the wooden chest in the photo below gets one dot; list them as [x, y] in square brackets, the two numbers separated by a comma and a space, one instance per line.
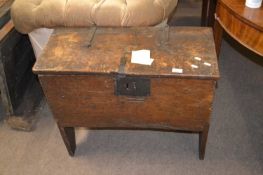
[89, 80]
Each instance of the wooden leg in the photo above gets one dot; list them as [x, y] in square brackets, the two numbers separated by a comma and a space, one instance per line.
[68, 135]
[204, 17]
[208, 10]
[218, 34]
[202, 142]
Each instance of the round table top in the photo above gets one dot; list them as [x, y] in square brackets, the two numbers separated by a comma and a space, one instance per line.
[253, 16]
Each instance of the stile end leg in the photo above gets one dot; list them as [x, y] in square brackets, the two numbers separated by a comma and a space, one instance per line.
[202, 142]
[68, 135]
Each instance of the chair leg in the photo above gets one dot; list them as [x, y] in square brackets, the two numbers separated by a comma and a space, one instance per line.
[202, 142]
[68, 135]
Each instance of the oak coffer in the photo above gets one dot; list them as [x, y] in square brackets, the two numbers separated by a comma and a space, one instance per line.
[130, 78]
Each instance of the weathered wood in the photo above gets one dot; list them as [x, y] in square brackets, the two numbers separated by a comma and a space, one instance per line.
[109, 46]
[17, 75]
[90, 101]
[6, 29]
[5, 92]
[20, 90]
[68, 135]
[202, 141]
[6, 70]
[79, 81]
[24, 117]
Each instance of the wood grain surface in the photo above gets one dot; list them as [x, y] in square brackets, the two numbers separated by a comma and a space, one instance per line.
[252, 16]
[89, 101]
[6, 29]
[79, 71]
[242, 23]
[110, 46]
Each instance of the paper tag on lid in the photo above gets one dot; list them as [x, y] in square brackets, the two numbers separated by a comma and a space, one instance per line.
[177, 70]
[141, 57]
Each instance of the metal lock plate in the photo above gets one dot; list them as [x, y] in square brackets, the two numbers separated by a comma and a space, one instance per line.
[133, 86]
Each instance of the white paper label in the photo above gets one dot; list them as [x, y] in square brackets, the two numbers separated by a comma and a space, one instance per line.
[177, 70]
[198, 58]
[194, 66]
[207, 64]
[141, 57]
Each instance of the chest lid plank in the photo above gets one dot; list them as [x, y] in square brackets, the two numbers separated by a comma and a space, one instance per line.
[85, 51]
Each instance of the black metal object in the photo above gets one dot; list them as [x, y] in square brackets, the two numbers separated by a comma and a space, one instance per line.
[133, 86]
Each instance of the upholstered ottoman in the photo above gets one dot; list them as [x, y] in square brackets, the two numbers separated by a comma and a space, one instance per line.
[32, 14]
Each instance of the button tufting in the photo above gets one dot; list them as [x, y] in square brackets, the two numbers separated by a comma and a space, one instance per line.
[32, 14]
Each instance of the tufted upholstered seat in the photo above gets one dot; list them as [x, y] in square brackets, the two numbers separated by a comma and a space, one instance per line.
[2, 3]
[32, 14]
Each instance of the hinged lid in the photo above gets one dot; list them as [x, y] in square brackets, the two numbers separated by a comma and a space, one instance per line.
[108, 50]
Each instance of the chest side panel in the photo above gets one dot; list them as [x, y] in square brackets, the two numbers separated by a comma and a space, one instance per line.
[91, 101]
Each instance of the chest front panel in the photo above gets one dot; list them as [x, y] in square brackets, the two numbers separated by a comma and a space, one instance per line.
[91, 101]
